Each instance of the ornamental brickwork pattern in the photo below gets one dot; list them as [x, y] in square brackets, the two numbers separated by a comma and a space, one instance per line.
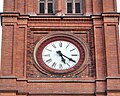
[34, 36]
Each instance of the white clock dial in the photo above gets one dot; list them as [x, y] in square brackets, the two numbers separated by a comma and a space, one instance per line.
[60, 55]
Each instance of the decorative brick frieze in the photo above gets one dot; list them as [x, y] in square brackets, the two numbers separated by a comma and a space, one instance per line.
[34, 35]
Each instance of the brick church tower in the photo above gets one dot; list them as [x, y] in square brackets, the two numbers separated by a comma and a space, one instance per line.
[60, 48]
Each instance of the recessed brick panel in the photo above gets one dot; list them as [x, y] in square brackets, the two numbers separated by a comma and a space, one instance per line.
[7, 50]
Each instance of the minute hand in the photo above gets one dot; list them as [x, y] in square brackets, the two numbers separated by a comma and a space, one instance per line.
[70, 59]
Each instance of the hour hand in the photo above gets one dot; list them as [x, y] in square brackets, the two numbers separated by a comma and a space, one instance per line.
[59, 52]
[63, 60]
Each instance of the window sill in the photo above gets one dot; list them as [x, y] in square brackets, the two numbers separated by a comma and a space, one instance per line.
[46, 14]
[74, 14]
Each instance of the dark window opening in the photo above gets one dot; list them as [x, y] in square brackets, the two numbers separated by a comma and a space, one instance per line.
[42, 9]
[69, 7]
[50, 7]
[77, 7]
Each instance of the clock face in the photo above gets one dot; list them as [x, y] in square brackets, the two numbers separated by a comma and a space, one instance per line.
[59, 54]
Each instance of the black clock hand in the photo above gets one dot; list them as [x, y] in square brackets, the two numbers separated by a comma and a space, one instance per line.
[70, 59]
[63, 60]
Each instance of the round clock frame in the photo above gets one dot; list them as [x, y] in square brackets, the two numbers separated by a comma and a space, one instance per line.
[78, 43]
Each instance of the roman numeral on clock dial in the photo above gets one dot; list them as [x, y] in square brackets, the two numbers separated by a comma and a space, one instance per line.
[49, 60]
[48, 49]
[74, 55]
[54, 45]
[68, 64]
[60, 66]
[60, 44]
[72, 49]
[67, 45]
[47, 55]
[54, 64]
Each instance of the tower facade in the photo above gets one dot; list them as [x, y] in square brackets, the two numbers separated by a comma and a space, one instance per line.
[60, 48]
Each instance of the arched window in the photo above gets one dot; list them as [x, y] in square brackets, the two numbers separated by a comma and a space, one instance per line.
[74, 7]
[46, 6]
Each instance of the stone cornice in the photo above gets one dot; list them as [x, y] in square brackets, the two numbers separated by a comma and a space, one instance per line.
[46, 18]
[111, 14]
[59, 19]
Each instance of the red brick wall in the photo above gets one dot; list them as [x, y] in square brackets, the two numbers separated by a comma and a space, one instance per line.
[20, 33]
